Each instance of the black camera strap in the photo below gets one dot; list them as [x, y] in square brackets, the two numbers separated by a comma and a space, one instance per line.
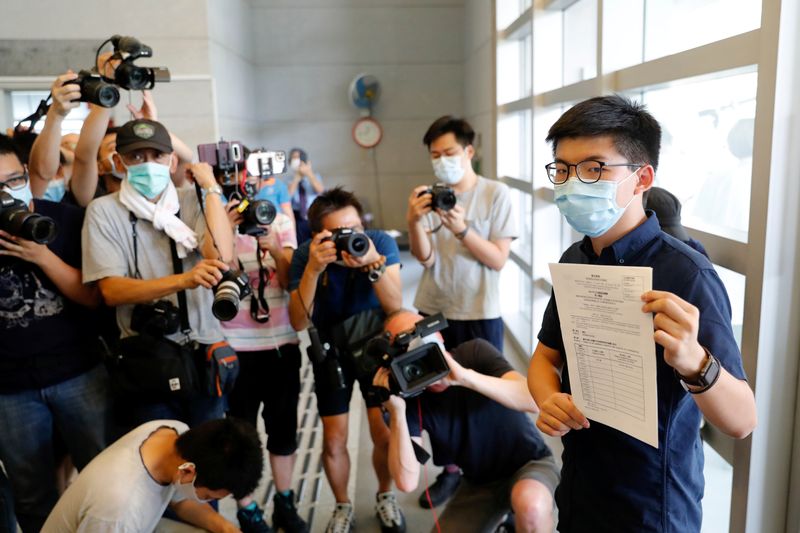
[259, 306]
[133, 219]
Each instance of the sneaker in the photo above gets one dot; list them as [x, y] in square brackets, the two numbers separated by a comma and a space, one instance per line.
[389, 513]
[284, 514]
[342, 520]
[440, 490]
[251, 519]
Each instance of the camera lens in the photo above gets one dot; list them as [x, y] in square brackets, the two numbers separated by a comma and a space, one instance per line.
[226, 300]
[107, 96]
[444, 200]
[412, 371]
[263, 212]
[137, 78]
[358, 245]
[39, 229]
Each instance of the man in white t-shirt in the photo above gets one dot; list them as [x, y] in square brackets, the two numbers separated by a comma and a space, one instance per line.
[126, 488]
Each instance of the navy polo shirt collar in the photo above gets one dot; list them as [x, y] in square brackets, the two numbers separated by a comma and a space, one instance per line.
[623, 250]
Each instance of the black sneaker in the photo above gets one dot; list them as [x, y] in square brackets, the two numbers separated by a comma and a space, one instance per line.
[284, 514]
[251, 520]
[440, 490]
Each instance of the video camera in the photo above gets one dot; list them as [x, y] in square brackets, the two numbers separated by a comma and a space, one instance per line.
[412, 369]
[16, 219]
[226, 157]
[129, 75]
[442, 196]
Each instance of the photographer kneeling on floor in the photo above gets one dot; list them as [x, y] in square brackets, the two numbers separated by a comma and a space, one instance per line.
[477, 415]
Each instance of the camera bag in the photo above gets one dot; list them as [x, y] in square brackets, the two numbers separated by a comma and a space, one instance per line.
[220, 369]
[152, 367]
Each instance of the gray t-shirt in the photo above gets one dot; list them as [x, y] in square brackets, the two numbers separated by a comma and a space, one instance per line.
[107, 240]
[115, 493]
[458, 285]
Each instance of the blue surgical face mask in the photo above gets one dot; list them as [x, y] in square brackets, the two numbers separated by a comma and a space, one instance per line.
[590, 208]
[114, 172]
[448, 169]
[149, 179]
[24, 194]
[55, 190]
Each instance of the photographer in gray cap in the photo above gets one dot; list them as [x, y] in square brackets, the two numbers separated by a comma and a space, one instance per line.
[133, 241]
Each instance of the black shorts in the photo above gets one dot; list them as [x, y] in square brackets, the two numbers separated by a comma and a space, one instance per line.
[332, 399]
[271, 377]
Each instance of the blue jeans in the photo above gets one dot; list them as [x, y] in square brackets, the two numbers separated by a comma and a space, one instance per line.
[80, 408]
[192, 411]
[8, 522]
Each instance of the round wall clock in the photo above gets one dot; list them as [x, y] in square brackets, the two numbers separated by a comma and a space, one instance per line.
[367, 133]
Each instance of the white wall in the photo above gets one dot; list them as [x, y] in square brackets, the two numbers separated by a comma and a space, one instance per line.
[478, 78]
[307, 52]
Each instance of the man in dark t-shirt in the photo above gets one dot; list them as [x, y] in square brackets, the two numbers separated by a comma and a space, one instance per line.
[477, 416]
[49, 367]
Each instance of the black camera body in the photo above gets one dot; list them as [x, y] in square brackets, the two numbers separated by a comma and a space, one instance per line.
[131, 76]
[256, 213]
[442, 196]
[95, 90]
[348, 240]
[230, 290]
[16, 219]
[158, 319]
[411, 369]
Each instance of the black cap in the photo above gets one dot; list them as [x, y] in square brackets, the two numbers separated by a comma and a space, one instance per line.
[143, 133]
[668, 210]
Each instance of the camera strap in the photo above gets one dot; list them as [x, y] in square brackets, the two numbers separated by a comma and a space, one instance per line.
[133, 219]
[259, 306]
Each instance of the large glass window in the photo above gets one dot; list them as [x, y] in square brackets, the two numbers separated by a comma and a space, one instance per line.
[24, 103]
[580, 41]
[513, 145]
[523, 210]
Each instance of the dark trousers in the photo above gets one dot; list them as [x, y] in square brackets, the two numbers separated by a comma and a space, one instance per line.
[460, 331]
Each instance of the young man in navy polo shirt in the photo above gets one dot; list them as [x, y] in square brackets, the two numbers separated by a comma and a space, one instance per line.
[606, 152]
[345, 299]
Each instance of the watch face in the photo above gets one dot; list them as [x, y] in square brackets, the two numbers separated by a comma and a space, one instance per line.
[367, 132]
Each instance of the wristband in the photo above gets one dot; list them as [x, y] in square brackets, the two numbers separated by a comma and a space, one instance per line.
[461, 234]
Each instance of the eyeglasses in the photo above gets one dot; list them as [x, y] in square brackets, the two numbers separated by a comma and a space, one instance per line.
[16, 183]
[137, 158]
[588, 171]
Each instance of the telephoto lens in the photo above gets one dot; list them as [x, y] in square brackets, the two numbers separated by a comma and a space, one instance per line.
[350, 241]
[233, 286]
[96, 91]
[16, 219]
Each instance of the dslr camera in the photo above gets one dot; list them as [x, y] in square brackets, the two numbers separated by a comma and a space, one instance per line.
[412, 369]
[230, 290]
[226, 158]
[158, 319]
[129, 75]
[442, 196]
[16, 219]
[95, 90]
[350, 241]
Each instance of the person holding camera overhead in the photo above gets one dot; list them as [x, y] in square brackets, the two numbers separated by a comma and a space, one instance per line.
[50, 372]
[476, 414]
[461, 231]
[150, 247]
[343, 282]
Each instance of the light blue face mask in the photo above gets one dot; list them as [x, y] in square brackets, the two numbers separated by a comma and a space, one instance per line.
[55, 190]
[448, 169]
[149, 179]
[24, 194]
[590, 208]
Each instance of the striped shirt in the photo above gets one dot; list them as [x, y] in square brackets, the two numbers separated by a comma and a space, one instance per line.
[244, 333]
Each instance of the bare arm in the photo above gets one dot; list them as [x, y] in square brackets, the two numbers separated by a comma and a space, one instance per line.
[419, 241]
[44, 158]
[84, 173]
[510, 390]
[65, 277]
[389, 289]
[321, 253]
[218, 225]
[119, 290]
[203, 516]
[493, 254]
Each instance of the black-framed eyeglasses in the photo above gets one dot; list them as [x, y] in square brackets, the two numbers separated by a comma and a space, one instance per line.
[16, 183]
[589, 171]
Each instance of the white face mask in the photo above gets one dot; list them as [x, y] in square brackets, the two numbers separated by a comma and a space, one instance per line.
[295, 164]
[188, 490]
[114, 172]
[448, 169]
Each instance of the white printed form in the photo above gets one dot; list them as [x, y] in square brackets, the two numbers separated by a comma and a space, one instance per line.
[609, 345]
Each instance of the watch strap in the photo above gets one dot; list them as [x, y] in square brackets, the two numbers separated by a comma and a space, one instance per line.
[709, 375]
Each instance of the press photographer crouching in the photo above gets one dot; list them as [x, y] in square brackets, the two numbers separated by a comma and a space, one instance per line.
[342, 283]
[477, 416]
[50, 372]
[155, 256]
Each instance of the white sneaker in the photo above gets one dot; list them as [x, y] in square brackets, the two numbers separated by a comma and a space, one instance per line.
[342, 520]
[389, 513]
